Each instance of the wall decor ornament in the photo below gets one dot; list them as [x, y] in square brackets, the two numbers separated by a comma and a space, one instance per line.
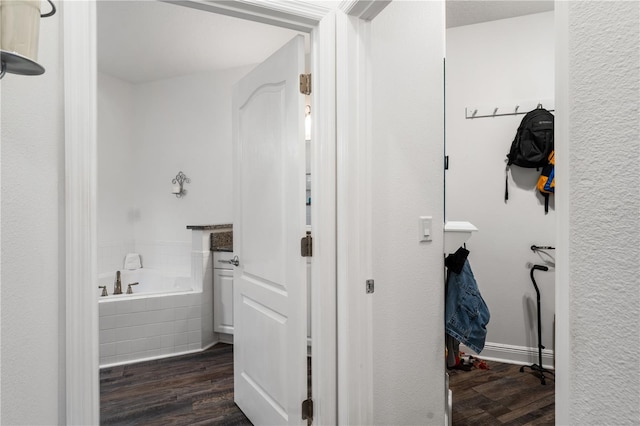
[178, 185]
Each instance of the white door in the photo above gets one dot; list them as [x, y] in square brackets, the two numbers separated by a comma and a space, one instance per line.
[270, 305]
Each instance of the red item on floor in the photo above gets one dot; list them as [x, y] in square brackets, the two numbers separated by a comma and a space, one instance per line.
[481, 364]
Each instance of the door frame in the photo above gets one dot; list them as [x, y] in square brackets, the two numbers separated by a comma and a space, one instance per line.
[354, 197]
[80, 93]
[355, 366]
[562, 346]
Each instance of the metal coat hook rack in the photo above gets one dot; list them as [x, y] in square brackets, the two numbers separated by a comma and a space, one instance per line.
[504, 110]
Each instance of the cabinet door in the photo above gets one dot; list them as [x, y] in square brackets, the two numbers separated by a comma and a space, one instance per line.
[223, 301]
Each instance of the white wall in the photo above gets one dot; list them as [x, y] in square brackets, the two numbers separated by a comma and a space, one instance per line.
[602, 92]
[32, 292]
[179, 124]
[407, 169]
[504, 62]
[116, 166]
[184, 124]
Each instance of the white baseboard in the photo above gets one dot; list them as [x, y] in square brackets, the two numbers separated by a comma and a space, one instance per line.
[154, 358]
[225, 338]
[511, 354]
[448, 418]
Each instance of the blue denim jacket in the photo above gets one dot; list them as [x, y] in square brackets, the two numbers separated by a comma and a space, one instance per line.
[466, 314]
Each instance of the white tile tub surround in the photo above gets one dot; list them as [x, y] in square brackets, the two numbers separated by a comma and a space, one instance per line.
[111, 255]
[202, 272]
[168, 314]
[172, 257]
[150, 281]
[141, 327]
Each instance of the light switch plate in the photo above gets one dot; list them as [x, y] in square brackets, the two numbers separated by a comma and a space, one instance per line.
[424, 228]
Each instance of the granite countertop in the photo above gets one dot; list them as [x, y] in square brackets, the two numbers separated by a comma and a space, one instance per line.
[221, 241]
[209, 227]
[227, 249]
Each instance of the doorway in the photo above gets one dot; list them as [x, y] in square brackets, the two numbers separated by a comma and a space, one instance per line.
[490, 85]
[80, 26]
[152, 122]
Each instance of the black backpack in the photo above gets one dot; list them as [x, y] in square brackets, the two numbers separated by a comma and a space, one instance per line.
[533, 142]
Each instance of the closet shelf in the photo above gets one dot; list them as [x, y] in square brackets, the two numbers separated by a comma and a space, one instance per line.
[456, 233]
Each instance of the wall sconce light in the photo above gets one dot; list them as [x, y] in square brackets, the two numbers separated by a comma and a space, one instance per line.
[19, 32]
[178, 182]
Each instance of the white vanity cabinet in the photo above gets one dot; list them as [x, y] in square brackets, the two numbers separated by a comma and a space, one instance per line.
[222, 293]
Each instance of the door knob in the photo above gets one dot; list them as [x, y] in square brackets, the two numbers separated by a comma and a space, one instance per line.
[235, 261]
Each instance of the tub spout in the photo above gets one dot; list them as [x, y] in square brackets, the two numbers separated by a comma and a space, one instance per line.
[117, 287]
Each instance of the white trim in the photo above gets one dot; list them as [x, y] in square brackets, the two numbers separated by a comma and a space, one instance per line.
[323, 221]
[355, 363]
[511, 354]
[298, 16]
[153, 358]
[293, 10]
[563, 223]
[363, 9]
[82, 385]
[448, 417]
[225, 338]
[82, 390]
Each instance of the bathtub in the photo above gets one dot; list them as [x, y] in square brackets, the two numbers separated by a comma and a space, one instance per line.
[150, 282]
[163, 317]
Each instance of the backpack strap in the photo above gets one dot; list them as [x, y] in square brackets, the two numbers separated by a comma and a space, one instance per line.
[506, 184]
[546, 203]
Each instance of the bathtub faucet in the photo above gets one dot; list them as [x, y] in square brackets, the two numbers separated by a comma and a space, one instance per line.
[117, 287]
[129, 290]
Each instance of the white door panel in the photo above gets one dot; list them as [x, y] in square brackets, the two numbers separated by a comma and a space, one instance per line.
[270, 305]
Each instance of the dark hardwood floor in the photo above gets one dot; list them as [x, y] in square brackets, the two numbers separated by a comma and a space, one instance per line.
[501, 395]
[192, 389]
[198, 390]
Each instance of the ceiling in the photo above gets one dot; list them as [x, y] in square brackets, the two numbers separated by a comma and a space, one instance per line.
[142, 41]
[467, 12]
